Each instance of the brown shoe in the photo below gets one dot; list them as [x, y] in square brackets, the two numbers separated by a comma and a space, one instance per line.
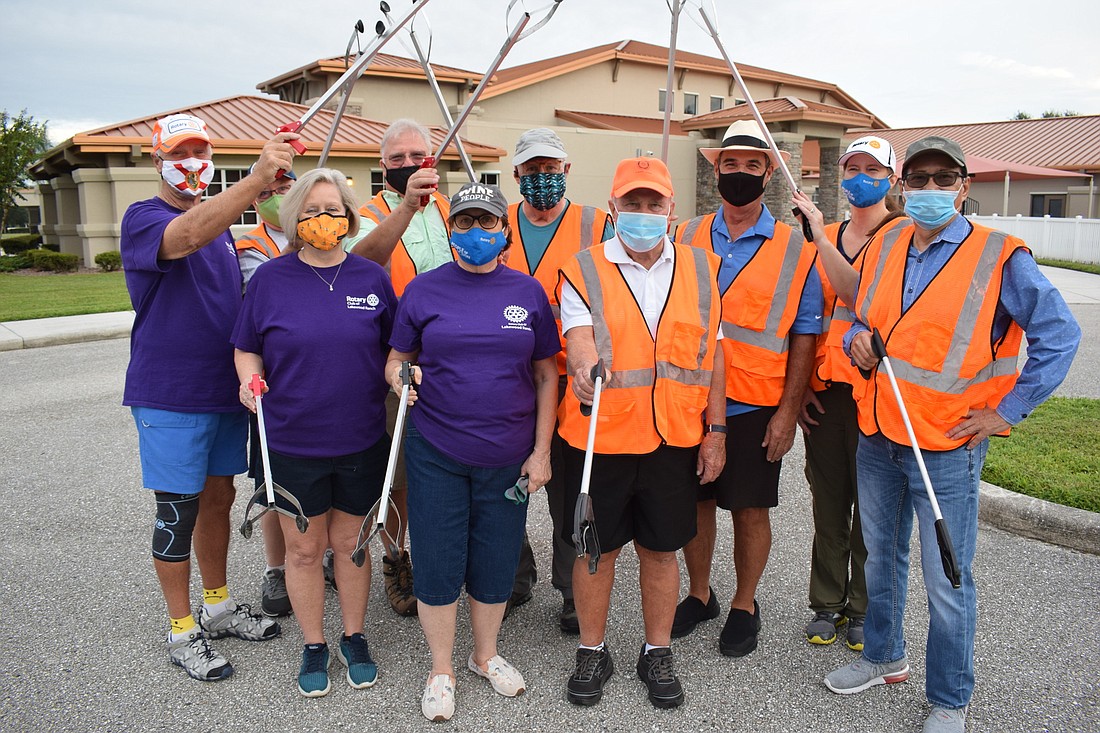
[399, 584]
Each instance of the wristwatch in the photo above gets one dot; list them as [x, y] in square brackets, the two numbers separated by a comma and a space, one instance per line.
[716, 429]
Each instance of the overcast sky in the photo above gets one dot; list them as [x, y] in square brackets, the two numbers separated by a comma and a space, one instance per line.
[82, 65]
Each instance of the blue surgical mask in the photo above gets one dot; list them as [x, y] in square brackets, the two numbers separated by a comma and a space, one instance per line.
[930, 209]
[641, 232]
[477, 246]
[863, 191]
[542, 190]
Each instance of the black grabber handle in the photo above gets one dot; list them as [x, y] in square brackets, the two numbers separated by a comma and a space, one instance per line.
[947, 554]
[597, 371]
[879, 347]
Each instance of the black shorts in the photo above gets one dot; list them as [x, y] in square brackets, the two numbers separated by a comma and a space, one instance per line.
[648, 498]
[351, 483]
[748, 480]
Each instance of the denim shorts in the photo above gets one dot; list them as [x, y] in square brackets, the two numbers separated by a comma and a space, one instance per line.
[462, 530]
[350, 484]
[180, 449]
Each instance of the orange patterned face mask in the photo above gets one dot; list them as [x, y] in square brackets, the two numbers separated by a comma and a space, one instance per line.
[323, 231]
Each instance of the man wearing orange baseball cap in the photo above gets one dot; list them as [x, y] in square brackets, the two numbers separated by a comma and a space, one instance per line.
[181, 386]
[648, 311]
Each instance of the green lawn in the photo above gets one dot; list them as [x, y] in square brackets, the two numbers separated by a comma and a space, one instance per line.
[1053, 455]
[46, 296]
[1067, 265]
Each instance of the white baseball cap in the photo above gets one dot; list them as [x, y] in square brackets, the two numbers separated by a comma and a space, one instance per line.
[876, 147]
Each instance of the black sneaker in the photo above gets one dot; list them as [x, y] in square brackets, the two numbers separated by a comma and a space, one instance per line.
[691, 612]
[594, 668]
[739, 634]
[655, 669]
[274, 600]
[567, 618]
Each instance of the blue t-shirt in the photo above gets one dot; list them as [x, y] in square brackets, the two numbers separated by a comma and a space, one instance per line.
[181, 358]
[477, 335]
[537, 237]
[324, 353]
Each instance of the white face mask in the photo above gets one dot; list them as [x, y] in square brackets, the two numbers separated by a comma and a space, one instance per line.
[189, 176]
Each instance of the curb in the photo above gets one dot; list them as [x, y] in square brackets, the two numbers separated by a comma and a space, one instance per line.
[65, 330]
[1027, 516]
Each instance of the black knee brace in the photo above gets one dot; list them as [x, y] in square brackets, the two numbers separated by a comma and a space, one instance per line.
[176, 515]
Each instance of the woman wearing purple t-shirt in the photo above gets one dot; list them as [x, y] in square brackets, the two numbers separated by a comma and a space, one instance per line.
[484, 339]
[316, 323]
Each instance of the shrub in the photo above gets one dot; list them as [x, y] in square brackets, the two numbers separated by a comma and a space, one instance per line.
[109, 261]
[52, 247]
[13, 263]
[18, 243]
[44, 259]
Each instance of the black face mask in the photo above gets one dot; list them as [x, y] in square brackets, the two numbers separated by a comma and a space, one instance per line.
[398, 178]
[739, 189]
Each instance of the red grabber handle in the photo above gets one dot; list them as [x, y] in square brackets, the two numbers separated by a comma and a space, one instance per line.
[293, 127]
[429, 162]
[256, 385]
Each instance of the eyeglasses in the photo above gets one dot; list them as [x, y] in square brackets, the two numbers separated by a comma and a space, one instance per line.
[395, 161]
[943, 179]
[280, 191]
[485, 221]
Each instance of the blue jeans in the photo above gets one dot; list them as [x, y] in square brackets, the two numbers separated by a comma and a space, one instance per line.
[890, 492]
[462, 530]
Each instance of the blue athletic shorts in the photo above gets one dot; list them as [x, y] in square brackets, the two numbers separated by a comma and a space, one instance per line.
[180, 449]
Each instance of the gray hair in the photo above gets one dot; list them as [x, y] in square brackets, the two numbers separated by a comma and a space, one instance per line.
[295, 201]
[401, 127]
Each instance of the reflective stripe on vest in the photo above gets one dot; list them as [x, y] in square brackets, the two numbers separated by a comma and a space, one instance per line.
[889, 240]
[687, 233]
[766, 339]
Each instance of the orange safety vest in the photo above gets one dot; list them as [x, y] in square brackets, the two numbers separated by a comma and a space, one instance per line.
[831, 364]
[401, 267]
[657, 390]
[579, 228]
[941, 348]
[758, 309]
[259, 240]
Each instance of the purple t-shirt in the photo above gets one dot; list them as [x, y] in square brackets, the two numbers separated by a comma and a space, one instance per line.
[181, 358]
[477, 336]
[324, 353]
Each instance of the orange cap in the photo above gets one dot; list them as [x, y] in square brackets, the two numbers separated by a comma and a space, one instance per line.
[174, 129]
[634, 173]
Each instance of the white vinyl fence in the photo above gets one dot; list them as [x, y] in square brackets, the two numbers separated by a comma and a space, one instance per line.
[1076, 240]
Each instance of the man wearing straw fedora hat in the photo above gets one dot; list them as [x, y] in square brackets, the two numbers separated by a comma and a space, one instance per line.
[771, 316]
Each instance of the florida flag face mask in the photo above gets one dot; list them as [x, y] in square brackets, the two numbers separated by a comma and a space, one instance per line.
[189, 176]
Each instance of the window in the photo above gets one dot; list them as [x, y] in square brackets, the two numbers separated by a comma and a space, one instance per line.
[716, 103]
[1048, 204]
[223, 179]
[661, 100]
[377, 181]
[490, 178]
[691, 103]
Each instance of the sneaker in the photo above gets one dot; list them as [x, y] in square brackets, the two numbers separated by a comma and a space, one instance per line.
[328, 570]
[594, 668]
[438, 701]
[567, 617]
[691, 612]
[505, 678]
[239, 621]
[198, 659]
[655, 669]
[399, 584]
[822, 629]
[738, 636]
[861, 674]
[945, 720]
[274, 600]
[855, 634]
[355, 654]
[313, 675]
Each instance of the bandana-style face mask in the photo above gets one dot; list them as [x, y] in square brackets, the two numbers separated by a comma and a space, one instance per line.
[189, 176]
[542, 190]
[323, 231]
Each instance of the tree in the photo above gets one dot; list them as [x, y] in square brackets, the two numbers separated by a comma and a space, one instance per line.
[1020, 115]
[1047, 114]
[22, 141]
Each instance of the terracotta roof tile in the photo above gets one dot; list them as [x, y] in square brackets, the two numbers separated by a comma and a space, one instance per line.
[781, 109]
[384, 64]
[625, 123]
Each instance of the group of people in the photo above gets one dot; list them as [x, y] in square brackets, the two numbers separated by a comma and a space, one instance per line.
[712, 340]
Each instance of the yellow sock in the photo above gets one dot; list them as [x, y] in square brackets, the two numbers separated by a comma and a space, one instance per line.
[214, 596]
[182, 625]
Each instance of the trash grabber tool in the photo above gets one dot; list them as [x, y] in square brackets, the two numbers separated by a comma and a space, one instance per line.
[513, 37]
[382, 507]
[584, 521]
[675, 7]
[713, 31]
[270, 488]
[350, 75]
[943, 537]
[434, 83]
[346, 92]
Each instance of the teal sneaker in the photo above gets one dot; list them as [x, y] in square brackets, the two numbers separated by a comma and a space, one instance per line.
[313, 676]
[354, 653]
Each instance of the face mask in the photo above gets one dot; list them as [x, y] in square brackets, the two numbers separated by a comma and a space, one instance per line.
[739, 189]
[542, 190]
[477, 246]
[323, 231]
[398, 178]
[269, 210]
[930, 209]
[641, 232]
[863, 191]
[189, 176]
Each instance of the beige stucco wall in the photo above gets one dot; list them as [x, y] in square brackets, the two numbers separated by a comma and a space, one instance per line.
[991, 196]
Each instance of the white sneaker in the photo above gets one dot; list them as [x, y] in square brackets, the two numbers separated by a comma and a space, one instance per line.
[438, 702]
[505, 678]
[946, 720]
[194, 653]
[238, 620]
